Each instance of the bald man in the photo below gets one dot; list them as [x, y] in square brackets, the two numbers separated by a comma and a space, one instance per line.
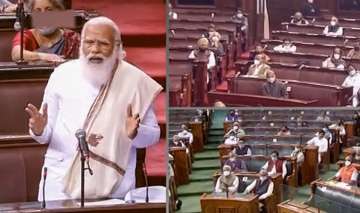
[274, 88]
[107, 97]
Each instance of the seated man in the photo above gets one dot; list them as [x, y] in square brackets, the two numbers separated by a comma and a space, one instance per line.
[352, 80]
[259, 68]
[262, 187]
[323, 117]
[49, 44]
[285, 47]
[299, 19]
[185, 133]
[7, 7]
[284, 131]
[310, 9]
[235, 131]
[242, 149]
[231, 116]
[227, 182]
[275, 165]
[335, 61]
[333, 29]
[355, 52]
[202, 50]
[298, 154]
[259, 50]
[320, 141]
[236, 164]
[273, 87]
[348, 173]
[177, 142]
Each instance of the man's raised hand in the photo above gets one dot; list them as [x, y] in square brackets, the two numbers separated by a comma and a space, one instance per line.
[132, 123]
[37, 120]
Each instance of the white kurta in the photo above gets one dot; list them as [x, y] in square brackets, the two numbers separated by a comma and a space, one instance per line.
[69, 97]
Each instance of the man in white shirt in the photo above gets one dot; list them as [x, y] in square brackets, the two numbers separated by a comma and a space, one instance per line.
[71, 100]
[227, 182]
[262, 187]
[353, 80]
[185, 133]
[320, 141]
[275, 165]
[333, 29]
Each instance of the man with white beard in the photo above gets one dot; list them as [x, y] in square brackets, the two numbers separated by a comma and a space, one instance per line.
[108, 98]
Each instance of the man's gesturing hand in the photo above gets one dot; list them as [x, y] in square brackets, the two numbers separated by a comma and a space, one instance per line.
[132, 123]
[37, 120]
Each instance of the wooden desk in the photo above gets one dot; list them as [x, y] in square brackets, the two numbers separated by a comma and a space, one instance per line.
[318, 29]
[73, 206]
[181, 166]
[245, 204]
[294, 207]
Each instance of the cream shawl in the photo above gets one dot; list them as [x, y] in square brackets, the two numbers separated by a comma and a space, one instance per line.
[107, 115]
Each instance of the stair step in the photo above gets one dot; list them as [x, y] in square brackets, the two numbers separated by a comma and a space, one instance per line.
[206, 164]
[190, 204]
[207, 155]
[196, 188]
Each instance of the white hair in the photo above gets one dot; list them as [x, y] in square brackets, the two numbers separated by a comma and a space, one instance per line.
[103, 21]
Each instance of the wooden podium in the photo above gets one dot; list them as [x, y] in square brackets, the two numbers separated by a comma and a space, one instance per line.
[244, 204]
[73, 206]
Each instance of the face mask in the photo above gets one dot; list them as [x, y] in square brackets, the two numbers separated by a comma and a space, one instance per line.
[274, 158]
[240, 15]
[256, 62]
[347, 163]
[296, 149]
[232, 137]
[46, 31]
[236, 127]
[271, 80]
[262, 178]
[232, 159]
[352, 72]
[333, 23]
[226, 173]
[310, 1]
[337, 56]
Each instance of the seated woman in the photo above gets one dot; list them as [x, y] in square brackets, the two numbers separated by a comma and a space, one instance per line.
[299, 19]
[348, 173]
[333, 29]
[7, 7]
[227, 182]
[49, 44]
[352, 80]
[335, 61]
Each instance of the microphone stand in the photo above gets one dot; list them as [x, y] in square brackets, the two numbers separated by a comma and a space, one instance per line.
[83, 158]
[147, 184]
[20, 14]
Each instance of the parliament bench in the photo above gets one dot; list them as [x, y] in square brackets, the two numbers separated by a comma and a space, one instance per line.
[329, 197]
[181, 165]
[313, 38]
[318, 29]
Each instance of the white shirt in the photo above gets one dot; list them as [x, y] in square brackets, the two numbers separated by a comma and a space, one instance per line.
[273, 170]
[232, 140]
[353, 81]
[339, 32]
[211, 62]
[299, 156]
[321, 143]
[232, 188]
[186, 134]
[69, 97]
[263, 196]
[285, 49]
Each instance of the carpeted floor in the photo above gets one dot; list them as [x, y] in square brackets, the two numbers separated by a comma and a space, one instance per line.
[207, 162]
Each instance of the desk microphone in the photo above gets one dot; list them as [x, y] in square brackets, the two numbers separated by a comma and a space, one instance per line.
[43, 205]
[83, 145]
[146, 184]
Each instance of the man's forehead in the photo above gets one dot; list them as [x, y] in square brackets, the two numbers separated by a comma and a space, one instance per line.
[100, 31]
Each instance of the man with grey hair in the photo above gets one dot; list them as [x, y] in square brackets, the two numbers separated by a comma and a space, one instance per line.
[107, 97]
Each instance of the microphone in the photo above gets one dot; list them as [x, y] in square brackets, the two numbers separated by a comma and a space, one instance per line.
[43, 205]
[84, 148]
[146, 184]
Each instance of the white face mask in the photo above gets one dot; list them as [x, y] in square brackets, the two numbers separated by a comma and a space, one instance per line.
[310, 1]
[262, 178]
[256, 62]
[240, 15]
[352, 72]
[232, 159]
[271, 80]
[226, 173]
[236, 127]
[347, 163]
[274, 158]
[232, 137]
[333, 23]
[336, 56]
